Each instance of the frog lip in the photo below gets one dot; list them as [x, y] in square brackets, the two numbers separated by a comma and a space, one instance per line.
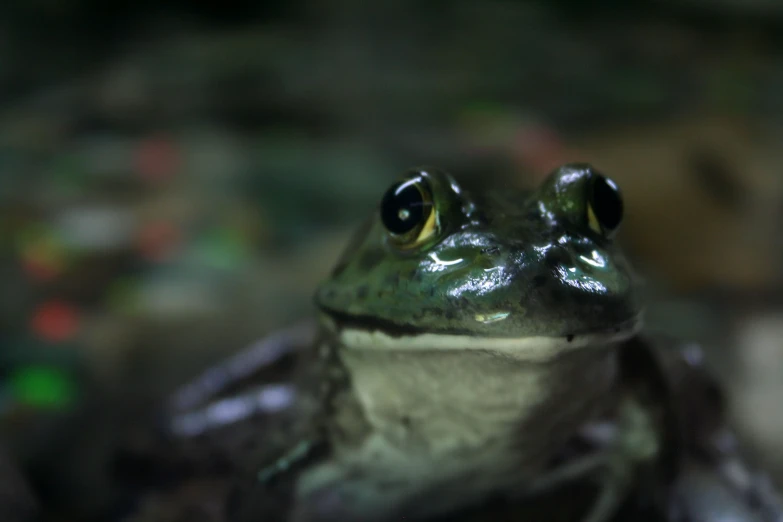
[627, 327]
[527, 349]
[345, 321]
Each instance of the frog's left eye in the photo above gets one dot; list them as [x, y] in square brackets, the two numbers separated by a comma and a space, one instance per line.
[604, 205]
[408, 213]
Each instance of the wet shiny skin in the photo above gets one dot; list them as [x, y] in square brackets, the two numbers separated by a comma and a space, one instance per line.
[500, 265]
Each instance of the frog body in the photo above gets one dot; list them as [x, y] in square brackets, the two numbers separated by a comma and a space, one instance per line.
[458, 321]
[470, 336]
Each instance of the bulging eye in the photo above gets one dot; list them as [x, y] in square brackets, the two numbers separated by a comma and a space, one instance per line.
[408, 212]
[604, 205]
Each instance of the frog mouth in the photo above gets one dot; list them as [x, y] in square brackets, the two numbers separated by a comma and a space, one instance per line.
[371, 333]
[345, 321]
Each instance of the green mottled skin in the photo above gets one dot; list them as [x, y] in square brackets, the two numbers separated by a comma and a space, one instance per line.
[524, 255]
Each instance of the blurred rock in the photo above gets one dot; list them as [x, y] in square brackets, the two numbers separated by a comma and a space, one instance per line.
[17, 503]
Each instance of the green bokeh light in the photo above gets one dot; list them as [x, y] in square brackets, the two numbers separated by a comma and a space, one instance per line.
[43, 387]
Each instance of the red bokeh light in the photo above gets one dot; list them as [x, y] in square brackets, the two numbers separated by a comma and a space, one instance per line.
[55, 321]
[157, 159]
[158, 241]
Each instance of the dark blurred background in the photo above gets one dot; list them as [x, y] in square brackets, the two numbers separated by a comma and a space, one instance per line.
[175, 179]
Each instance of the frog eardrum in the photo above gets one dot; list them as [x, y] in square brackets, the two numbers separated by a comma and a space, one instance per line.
[408, 212]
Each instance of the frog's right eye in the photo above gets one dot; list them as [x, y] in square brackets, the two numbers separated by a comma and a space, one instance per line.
[604, 205]
[408, 212]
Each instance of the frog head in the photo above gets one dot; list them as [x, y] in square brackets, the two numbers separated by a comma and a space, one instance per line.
[438, 267]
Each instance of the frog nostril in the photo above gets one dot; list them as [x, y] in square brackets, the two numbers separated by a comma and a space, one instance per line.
[490, 251]
[539, 281]
[556, 258]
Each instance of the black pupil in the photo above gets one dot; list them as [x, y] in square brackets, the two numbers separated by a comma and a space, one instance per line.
[402, 207]
[606, 202]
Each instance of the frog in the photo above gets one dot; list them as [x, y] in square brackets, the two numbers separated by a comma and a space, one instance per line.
[466, 339]
[482, 352]
[454, 321]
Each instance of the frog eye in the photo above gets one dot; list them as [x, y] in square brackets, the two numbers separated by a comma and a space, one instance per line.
[604, 205]
[408, 213]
